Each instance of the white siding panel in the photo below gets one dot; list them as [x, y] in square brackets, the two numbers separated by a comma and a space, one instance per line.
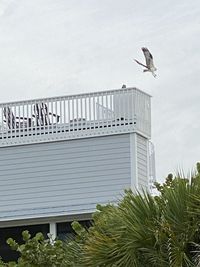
[65, 177]
[142, 162]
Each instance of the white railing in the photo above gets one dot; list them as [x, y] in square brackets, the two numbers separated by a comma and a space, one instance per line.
[75, 116]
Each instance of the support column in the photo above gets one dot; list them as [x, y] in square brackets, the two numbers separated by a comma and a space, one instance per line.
[133, 157]
[53, 230]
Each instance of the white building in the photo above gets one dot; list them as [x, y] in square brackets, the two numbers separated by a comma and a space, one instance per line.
[61, 156]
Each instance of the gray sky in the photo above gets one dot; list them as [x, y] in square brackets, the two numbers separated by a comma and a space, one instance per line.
[50, 48]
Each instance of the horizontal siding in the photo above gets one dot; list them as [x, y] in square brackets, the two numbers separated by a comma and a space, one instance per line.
[63, 177]
[142, 162]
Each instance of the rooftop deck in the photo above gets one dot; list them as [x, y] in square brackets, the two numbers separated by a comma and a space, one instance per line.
[75, 116]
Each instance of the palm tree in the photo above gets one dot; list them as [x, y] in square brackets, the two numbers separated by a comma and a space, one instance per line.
[145, 230]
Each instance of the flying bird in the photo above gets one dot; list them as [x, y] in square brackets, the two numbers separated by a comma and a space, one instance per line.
[149, 62]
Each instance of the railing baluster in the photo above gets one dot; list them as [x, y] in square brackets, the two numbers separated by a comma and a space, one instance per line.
[73, 115]
[51, 117]
[64, 114]
[90, 108]
[124, 100]
[2, 123]
[111, 109]
[77, 115]
[128, 108]
[114, 108]
[36, 118]
[30, 113]
[19, 126]
[6, 113]
[56, 112]
[97, 111]
[59, 112]
[103, 110]
[81, 110]
[69, 113]
[86, 110]
[107, 116]
[47, 116]
[27, 123]
[94, 113]
[22, 120]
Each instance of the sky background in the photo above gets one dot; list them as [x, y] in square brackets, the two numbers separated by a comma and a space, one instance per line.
[61, 47]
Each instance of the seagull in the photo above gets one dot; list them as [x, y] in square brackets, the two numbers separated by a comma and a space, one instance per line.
[149, 62]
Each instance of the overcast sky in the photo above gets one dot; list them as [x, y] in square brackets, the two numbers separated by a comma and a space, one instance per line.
[50, 48]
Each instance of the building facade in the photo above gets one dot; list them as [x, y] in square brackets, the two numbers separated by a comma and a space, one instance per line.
[61, 156]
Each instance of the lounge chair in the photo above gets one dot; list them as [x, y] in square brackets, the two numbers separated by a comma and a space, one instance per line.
[42, 115]
[15, 121]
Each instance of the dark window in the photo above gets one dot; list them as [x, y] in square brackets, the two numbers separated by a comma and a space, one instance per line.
[16, 233]
[65, 231]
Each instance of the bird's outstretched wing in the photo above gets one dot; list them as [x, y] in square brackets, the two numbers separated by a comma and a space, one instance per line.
[140, 63]
[148, 57]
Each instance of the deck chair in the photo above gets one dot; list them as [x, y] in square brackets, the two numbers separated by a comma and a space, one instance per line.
[42, 115]
[12, 120]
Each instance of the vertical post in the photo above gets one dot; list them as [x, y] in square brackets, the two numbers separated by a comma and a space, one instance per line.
[47, 117]
[61, 113]
[2, 121]
[69, 113]
[128, 111]
[151, 165]
[107, 114]
[97, 110]
[73, 115]
[19, 125]
[148, 167]
[23, 121]
[81, 110]
[90, 117]
[133, 161]
[56, 112]
[86, 117]
[112, 111]
[53, 230]
[52, 111]
[27, 115]
[64, 113]
[77, 112]
[94, 115]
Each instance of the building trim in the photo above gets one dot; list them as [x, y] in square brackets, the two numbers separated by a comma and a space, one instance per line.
[46, 220]
[133, 156]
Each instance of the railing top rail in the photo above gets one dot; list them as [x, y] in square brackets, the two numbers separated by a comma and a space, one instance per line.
[105, 92]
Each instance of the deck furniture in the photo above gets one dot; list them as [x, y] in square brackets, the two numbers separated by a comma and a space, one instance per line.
[42, 114]
[13, 121]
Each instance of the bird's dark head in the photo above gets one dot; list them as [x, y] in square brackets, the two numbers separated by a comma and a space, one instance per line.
[144, 49]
